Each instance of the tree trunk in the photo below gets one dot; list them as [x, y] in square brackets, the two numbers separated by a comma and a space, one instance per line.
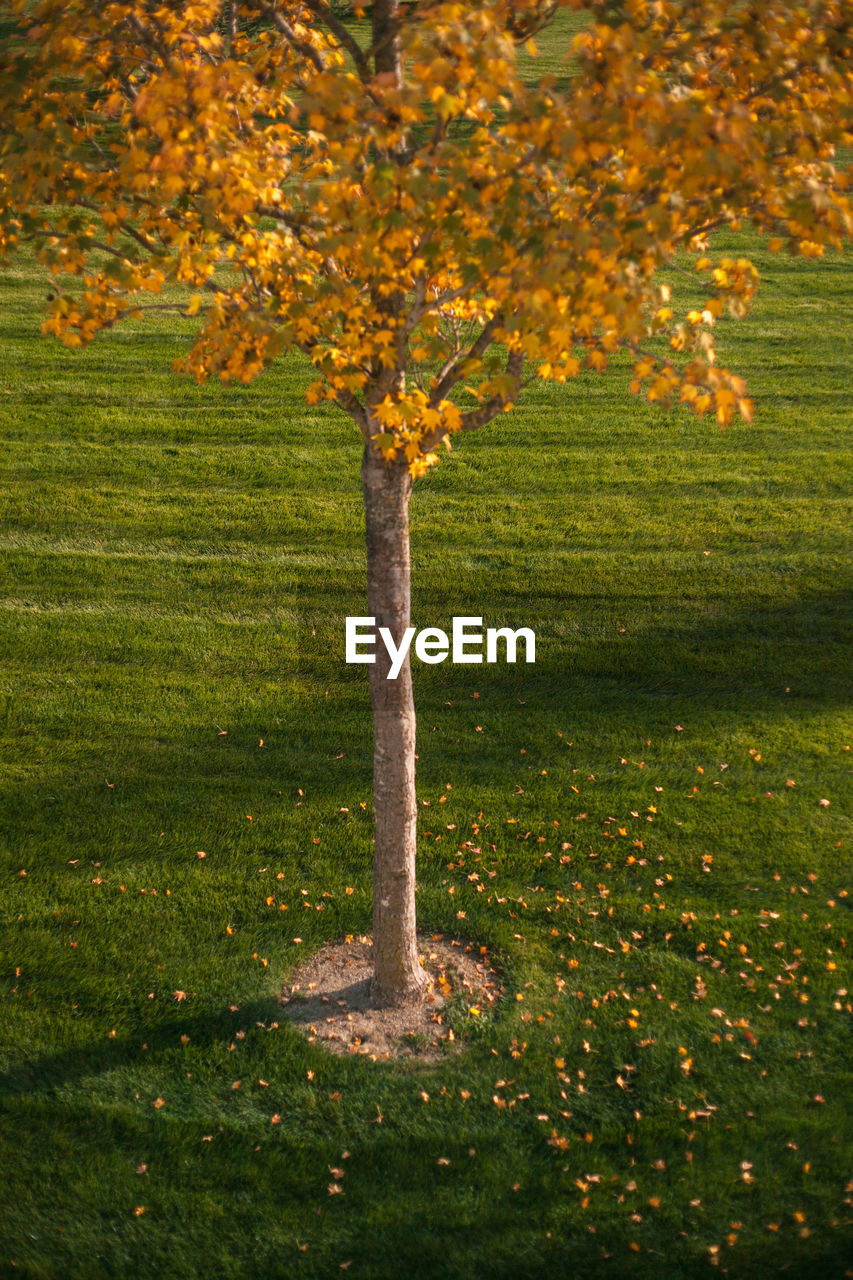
[385, 21]
[398, 977]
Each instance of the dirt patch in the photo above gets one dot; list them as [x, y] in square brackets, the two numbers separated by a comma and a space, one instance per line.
[328, 998]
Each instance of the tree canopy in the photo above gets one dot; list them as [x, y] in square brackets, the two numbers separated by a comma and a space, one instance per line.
[398, 202]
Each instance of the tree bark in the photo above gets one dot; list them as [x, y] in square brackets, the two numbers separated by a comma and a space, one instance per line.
[398, 976]
[385, 21]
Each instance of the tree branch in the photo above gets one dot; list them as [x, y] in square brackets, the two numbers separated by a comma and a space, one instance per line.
[301, 46]
[148, 245]
[321, 10]
[522, 31]
[296, 221]
[476, 418]
[150, 40]
[451, 374]
[163, 306]
[356, 410]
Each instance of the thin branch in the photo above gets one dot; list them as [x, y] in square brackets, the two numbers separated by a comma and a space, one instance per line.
[439, 131]
[441, 300]
[296, 221]
[52, 234]
[521, 32]
[476, 418]
[301, 46]
[449, 377]
[150, 40]
[692, 232]
[322, 11]
[110, 165]
[130, 90]
[356, 410]
[164, 306]
[345, 398]
[147, 244]
[419, 299]
[451, 359]
[130, 311]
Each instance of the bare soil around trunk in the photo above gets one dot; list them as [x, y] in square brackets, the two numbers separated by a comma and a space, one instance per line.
[328, 997]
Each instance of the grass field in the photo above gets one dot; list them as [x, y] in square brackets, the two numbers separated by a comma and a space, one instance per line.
[650, 828]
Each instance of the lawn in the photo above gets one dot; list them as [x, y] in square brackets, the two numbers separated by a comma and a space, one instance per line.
[649, 828]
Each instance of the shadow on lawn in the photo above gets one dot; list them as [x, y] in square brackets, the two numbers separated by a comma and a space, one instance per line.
[718, 655]
[715, 667]
[705, 647]
[42, 1075]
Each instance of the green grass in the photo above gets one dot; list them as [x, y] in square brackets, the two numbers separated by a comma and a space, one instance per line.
[177, 564]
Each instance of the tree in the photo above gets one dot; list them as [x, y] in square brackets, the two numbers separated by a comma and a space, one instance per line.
[428, 228]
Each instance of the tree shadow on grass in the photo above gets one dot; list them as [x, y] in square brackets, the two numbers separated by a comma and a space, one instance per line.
[47, 1072]
[724, 667]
